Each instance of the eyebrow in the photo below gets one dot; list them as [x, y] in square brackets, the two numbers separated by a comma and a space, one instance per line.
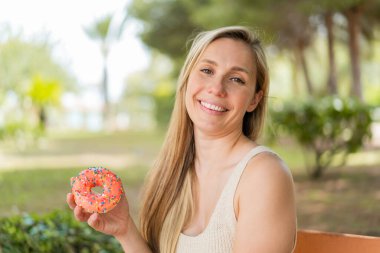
[236, 68]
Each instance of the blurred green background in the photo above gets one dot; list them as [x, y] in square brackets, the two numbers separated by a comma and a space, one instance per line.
[324, 117]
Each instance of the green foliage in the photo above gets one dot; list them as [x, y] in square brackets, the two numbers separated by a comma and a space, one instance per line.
[55, 232]
[289, 25]
[19, 133]
[327, 127]
[45, 92]
[167, 25]
[103, 30]
[20, 60]
[164, 101]
[150, 93]
[100, 29]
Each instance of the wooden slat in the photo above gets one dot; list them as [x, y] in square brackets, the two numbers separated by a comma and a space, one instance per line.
[322, 242]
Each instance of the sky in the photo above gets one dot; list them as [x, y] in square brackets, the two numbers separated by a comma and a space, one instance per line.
[64, 21]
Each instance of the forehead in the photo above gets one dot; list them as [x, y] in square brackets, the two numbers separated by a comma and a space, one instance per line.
[227, 51]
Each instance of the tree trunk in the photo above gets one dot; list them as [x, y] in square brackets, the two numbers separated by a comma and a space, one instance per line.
[42, 119]
[107, 124]
[318, 168]
[301, 56]
[353, 15]
[295, 82]
[332, 77]
[105, 93]
[106, 106]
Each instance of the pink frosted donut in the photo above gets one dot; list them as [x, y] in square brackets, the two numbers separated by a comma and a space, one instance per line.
[96, 202]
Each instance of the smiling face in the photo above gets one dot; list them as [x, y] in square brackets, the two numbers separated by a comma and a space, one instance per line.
[221, 87]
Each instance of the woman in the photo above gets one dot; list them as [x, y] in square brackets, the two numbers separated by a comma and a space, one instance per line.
[213, 188]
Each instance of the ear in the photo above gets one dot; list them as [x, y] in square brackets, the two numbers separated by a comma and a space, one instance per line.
[255, 101]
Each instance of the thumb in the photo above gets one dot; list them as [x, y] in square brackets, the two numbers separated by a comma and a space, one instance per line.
[95, 221]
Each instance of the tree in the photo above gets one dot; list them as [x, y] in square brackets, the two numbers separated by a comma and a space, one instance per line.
[328, 128]
[353, 15]
[103, 31]
[295, 32]
[149, 94]
[290, 25]
[358, 25]
[44, 93]
[284, 24]
[332, 85]
[167, 27]
[326, 10]
[21, 61]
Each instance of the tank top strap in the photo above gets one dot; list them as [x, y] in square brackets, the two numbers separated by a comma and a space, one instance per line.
[236, 174]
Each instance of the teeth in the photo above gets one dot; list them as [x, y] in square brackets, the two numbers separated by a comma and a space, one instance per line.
[213, 107]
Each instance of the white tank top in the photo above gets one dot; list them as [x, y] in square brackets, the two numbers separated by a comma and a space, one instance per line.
[218, 236]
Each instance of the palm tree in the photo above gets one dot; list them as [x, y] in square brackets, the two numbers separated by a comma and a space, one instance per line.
[103, 31]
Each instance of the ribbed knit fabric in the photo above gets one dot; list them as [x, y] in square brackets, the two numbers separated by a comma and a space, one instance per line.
[218, 236]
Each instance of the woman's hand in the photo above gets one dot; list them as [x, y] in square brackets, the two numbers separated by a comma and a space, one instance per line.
[115, 222]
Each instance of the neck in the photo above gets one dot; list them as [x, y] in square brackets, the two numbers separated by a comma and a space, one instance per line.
[210, 149]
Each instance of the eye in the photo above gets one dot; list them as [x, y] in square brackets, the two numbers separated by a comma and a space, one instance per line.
[206, 71]
[237, 80]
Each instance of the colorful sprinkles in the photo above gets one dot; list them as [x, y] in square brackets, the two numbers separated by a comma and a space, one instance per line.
[81, 187]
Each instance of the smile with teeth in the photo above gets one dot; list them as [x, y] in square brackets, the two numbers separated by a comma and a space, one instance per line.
[213, 107]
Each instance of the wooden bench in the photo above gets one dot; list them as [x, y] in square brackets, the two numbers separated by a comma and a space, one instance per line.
[309, 241]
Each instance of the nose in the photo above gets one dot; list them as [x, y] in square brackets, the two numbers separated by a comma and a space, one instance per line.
[217, 87]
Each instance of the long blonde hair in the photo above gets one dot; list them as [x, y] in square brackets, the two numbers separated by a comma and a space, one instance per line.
[168, 202]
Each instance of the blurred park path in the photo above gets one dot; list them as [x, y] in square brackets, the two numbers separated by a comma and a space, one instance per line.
[80, 160]
[113, 151]
[110, 153]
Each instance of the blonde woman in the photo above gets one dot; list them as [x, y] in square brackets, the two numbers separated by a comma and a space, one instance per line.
[213, 189]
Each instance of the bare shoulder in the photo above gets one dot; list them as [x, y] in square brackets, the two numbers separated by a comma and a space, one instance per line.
[265, 206]
[266, 169]
[265, 178]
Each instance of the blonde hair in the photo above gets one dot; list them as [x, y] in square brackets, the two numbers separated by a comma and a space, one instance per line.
[168, 202]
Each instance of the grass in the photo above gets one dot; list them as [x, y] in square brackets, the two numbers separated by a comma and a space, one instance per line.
[37, 179]
[42, 191]
[81, 150]
[345, 200]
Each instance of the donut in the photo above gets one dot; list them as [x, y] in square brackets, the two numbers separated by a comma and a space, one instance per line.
[92, 202]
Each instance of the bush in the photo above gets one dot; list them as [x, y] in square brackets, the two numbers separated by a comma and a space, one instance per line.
[164, 103]
[55, 232]
[20, 133]
[326, 127]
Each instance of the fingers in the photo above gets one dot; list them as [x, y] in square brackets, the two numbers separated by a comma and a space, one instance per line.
[70, 201]
[121, 206]
[80, 214]
[95, 221]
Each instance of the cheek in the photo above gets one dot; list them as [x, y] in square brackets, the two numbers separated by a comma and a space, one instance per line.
[188, 96]
[192, 87]
[192, 81]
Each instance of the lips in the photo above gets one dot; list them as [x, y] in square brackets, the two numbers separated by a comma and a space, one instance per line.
[213, 107]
